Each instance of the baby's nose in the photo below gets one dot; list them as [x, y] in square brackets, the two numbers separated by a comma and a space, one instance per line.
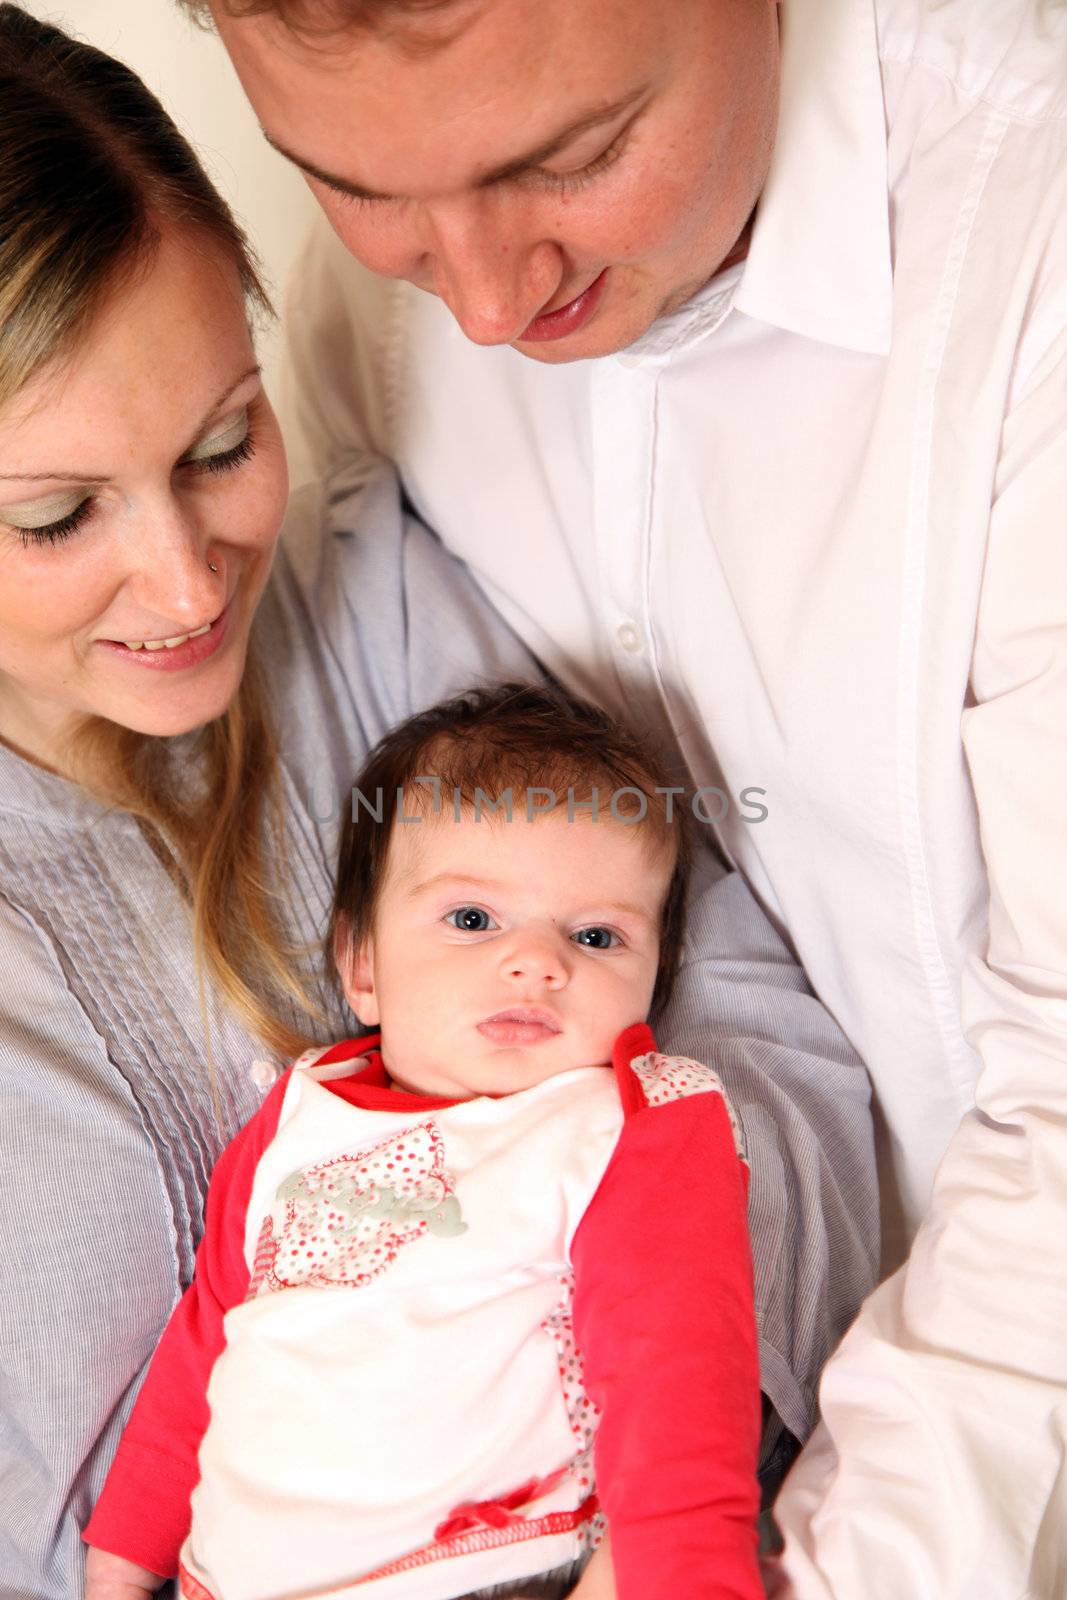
[538, 958]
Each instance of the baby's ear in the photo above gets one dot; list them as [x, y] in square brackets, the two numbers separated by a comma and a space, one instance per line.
[355, 967]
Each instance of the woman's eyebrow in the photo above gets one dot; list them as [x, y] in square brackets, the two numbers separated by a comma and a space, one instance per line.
[510, 169]
[50, 477]
[87, 478]
[253, 372]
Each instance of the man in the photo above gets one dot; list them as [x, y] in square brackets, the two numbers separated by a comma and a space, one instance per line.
[767, 448]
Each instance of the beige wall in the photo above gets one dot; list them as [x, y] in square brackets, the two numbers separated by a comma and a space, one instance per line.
[189, 71]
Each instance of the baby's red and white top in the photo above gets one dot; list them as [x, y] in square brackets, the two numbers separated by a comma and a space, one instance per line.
[372, 1387]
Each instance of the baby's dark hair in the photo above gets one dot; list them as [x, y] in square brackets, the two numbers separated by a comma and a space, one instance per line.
[511, 740]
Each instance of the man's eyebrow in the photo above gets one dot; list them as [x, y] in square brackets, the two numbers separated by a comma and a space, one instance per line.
[87, 480]
[510, 169]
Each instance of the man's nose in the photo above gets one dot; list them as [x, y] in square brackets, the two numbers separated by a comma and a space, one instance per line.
[174, 570]
[537, 956]
[491, 272]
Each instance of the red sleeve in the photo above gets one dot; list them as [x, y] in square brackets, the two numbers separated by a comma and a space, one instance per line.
[664, 1313]
[143, 1512]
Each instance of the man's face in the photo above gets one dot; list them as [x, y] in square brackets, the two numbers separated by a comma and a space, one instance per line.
[560, 173]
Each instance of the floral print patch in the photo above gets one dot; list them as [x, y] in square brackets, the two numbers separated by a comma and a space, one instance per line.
[343, 1221]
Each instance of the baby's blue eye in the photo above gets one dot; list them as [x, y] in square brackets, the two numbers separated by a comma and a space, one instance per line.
[596, 938]
[472, 919]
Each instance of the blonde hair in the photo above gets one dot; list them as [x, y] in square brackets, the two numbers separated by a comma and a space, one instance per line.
[92, 171]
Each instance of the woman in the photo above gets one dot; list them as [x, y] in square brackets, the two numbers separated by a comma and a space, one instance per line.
[145, 794]
[179, 726]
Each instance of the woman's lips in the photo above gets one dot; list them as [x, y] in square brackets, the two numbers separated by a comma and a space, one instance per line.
[520, 1025]
[569, 318]
[190, 654]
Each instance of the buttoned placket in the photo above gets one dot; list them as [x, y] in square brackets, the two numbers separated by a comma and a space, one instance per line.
[624, 404]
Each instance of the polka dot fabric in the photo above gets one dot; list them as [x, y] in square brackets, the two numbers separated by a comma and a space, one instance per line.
[667, 1078]
[582, 1414]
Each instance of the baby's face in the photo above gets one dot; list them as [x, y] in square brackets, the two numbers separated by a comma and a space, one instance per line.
[507, 952]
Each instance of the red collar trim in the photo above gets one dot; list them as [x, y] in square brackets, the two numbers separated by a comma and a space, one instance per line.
[371, 1087]
[637, 1040]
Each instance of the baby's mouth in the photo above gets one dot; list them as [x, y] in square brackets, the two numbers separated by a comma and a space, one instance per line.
[520, 1025]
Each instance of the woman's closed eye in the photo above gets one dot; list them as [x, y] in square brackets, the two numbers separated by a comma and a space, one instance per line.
[60, 516]
[224, 449]
[48, 521]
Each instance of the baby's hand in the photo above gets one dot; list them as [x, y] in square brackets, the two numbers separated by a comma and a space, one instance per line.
[109, 1577]
[598, 1579]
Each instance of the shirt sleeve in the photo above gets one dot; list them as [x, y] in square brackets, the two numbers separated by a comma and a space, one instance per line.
[143, 1513]
[664, 1320]
[742, 1003]
[939, 1470]
[84, 1215]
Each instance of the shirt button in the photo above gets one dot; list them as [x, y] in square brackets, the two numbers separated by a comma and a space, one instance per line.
[630, 637]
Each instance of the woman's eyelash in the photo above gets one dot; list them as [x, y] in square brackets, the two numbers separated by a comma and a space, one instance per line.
[226, 460]
[55, 532]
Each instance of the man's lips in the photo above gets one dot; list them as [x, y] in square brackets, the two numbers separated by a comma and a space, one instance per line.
[520, 1025]
[566, 319]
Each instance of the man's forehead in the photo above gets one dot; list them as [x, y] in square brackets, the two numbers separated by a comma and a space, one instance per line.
[390, 123]
[327, 32]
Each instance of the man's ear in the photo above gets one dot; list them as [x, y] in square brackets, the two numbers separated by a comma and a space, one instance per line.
[355, 968]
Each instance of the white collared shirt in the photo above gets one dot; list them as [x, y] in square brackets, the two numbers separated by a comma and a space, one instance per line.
[810, 530]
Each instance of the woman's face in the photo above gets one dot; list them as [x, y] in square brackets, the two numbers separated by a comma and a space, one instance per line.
[560, 172]
[142, 486]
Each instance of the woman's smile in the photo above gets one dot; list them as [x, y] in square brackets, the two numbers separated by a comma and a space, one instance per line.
[175, 654]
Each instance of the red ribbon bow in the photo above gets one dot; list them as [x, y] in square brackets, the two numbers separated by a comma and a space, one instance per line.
[499, 1513]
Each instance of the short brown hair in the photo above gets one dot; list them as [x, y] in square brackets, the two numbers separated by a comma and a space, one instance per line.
[483, 744]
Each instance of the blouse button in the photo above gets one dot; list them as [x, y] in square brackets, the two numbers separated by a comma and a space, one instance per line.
[263, 1074]
[630, 637]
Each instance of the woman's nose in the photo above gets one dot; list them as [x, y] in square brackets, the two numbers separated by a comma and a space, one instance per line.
[493, 278]
[537, 957]
[176, 572]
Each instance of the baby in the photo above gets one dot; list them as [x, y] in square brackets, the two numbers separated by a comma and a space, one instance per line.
[474, 1284]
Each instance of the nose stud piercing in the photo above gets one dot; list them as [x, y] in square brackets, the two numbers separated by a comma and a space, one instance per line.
[211, 567]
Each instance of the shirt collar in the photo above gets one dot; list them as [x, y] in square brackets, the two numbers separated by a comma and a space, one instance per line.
[819, 260]
[700, 315]
[819, 263]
